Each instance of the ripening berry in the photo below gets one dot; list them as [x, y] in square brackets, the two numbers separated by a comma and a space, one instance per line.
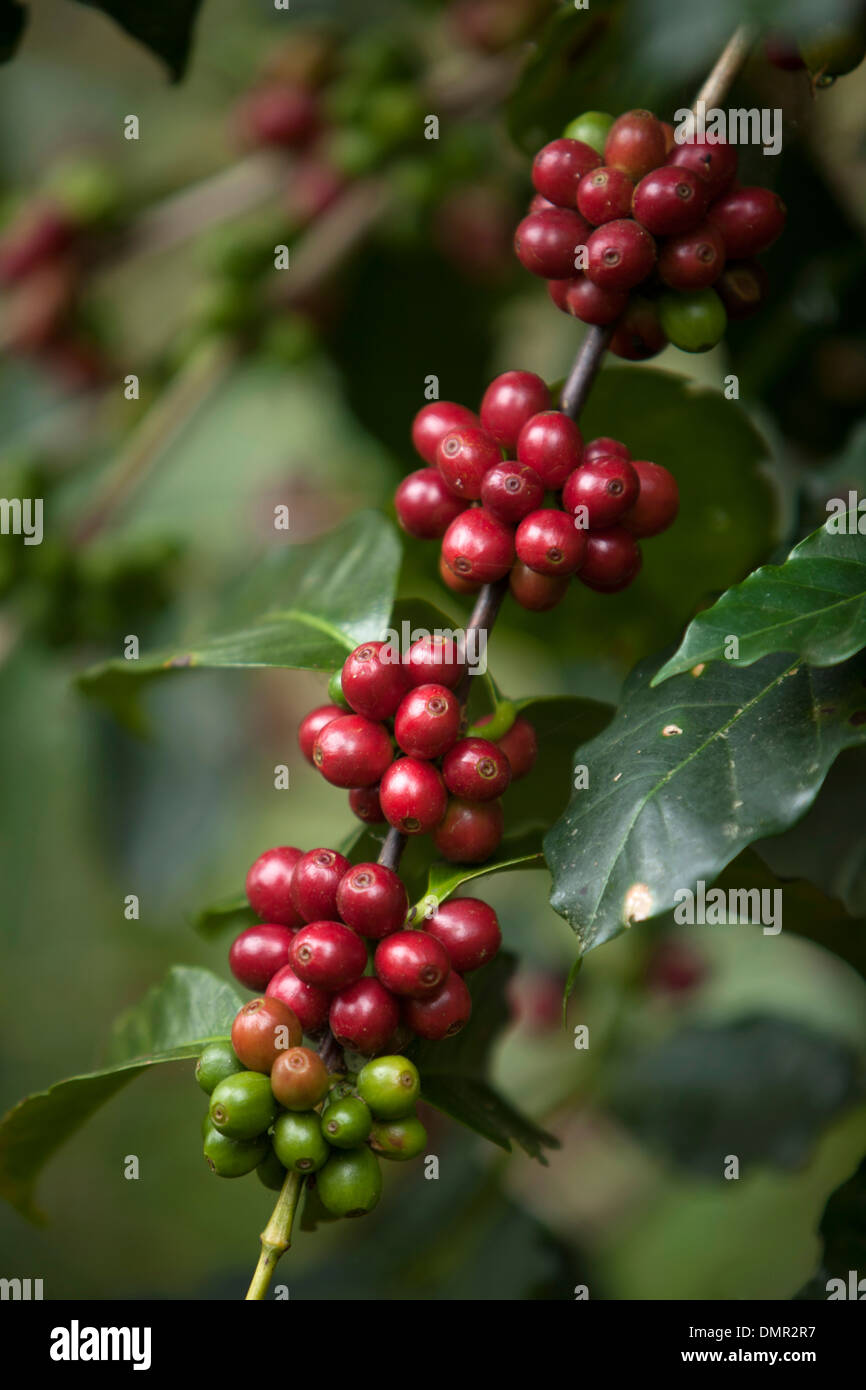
[437, 659]
[398, 1140]
[468, 929]
[269, 886]
[509, 401]
[299, 1078]
[613, 559]
[749, 220]
[537, 593]
[435, 420]
[425, 507]
[463, 458]
[372, 899]
[548, 541]
[714, 161]
[312, 725]
[258, 953]
[657, 503]
[639, 333]
[605, 195]
[551, 444]
[694, 260]
[413, 796]
[364, 1016]
[607, 488]
[309, 1003]
[329, 955]
[315, 882]
[373, 680]
[620, 255]
[559, 167]
[635, 144]
[478, 546]
[261, 1030]
[670, 200]
[519, 744]
[742, 287]
[546, 242]
[352, 751]
[444, 1014]
[411, 963]
[694, 322]
[470, 831]
[390, 1086]
[476, 769]
[428, 721]
[511, 490]
[592, 304]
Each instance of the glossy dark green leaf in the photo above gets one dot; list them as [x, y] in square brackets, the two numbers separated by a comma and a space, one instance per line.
[304, 606]
[690, 773]
[233, 913]
[175, 1020]
[762, 1089]
[814, 606]
[562, 723]
[163, 26]
[515, 852]
[13, 22]
[843, 1232]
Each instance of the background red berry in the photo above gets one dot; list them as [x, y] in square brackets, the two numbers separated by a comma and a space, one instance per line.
[269, 885]
[435, 420]
[412, 963]
[425, 506]
[519, 744]
[538, 593]
[591, 303]
[444, 1014]
[309, 1003]
[635, 143]
[312, 724]
[551, 444]
[606, 488]
[476, 769]
[470, 831]
[613, 559]
[657, 503]
[559, 167]
[749, 220]
[364, 1016]
[509, 401]
[258, 953]
[468, 929]
[546, 242]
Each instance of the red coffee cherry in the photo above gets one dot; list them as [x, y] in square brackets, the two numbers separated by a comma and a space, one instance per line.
[364, 802]
[463, 458]
[310, 1004]
[783, 51]
[469, 930]
[670, 200]
[693, 261]
[413, 796]
[444, 1014]
[280, 116]
[510, 491]
[604, 195]
[428, 721]
[457, 582]
[412, 963]
[537, 593]
[658, 500]
[546, 242]
[559, 167]
[478, 546]
[742, 287]
[537, 203]
[619, 255]
[315, 186]
[714, 162]
[263, 1029]
[470, 831]
[364, 1016]
[670, 136]
[551, 444]
[299, 1078]
[509, 401]
[607, 488]
[557, 290]
[269, 886]
[39, 235]
[519, 744]
[639, 333]
[373, 680]
[435, 420]
[592, 304]
[425, 507]
[635, 144]
[315, 883]
[258, 953]
[352, 751]
[435, 659]
[749, 220]
[548, 541]
[372, 899]
[476, 769]
[604, 447]
[328, 954]
[613, 559]
[312, 725]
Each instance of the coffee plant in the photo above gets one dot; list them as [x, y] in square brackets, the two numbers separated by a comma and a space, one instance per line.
[335, 259]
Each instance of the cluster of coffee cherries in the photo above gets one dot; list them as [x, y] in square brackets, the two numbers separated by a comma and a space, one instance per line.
[634, 229]
[337, 947]
[275, 1107]
[511, 456]
[443, 781]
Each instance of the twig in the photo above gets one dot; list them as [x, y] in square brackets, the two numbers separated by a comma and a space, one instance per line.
[277, 1235]
[731, 59]
[584, 370]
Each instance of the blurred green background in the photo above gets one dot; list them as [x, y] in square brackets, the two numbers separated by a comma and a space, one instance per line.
[763, 1037]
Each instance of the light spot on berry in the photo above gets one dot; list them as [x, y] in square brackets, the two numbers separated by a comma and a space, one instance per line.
[638, 903]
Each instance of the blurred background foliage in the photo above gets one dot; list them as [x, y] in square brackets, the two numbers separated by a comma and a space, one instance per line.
[694, 1032]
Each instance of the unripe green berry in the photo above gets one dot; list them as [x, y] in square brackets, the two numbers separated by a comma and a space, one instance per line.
[232, 1158]
[591, 127]
[390, 1086]
[87, 191]
[335, 691]
[834, 50]
[346, 1122]
[350, 1184]
[270, 1172]
[399, 1139]
[694, 321]
[298, 1141]
[243, 1106]
[216, 1063]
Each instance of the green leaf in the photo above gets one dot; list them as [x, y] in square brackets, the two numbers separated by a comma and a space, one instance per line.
[13, 22]
[562, 723]
[702, 1093]
[814, 606]
[452, 1071]
[163, 26]
[843, 1231]
[305, 606]
[516, 852]
[690, 773]
[175, 1020]
[232, 912]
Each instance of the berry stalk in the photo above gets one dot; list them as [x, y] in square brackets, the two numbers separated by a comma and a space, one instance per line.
[277, 1235]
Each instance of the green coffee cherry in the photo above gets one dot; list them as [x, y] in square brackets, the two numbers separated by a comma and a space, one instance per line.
[270, 1172]
[350, 1184]
[354, 151]
[393, 114]
[243, 1106]
[834, 50]
[89, 192]
[694, 321]
[399, 1139]
[298, 1142]
[390, 1086]
[335, 690]
[591, 128]
[232, 1158]
[346, 1122]
[216, 1063]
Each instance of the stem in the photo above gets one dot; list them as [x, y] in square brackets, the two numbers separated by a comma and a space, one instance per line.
[277, 1235]
[585, 369]
[731, 59]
